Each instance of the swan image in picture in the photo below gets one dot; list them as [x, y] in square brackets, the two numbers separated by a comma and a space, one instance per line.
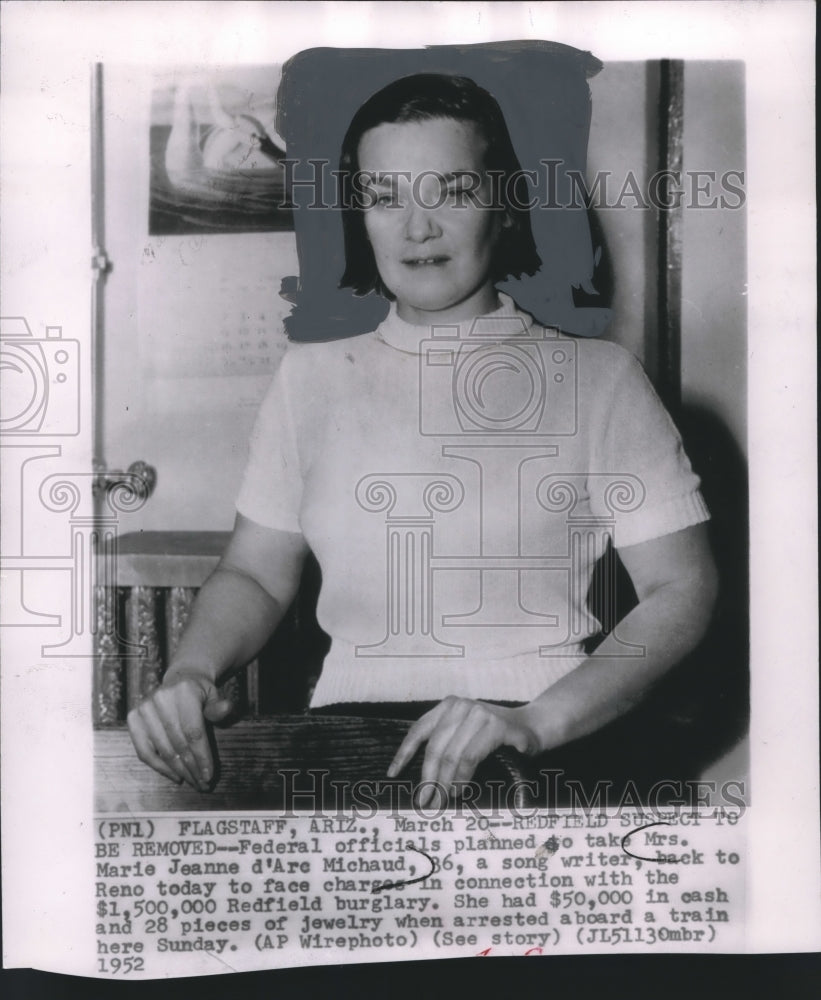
[219, 163]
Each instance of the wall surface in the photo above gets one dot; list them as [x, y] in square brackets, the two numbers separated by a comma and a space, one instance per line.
[618, 149]
[714, 272]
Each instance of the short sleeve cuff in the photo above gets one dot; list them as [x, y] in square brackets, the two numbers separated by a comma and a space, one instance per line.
[266, 515]
[665, 518]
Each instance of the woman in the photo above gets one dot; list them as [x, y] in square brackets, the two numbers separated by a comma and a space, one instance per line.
[471, 610]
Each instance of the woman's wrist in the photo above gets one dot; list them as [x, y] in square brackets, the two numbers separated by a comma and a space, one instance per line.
[203, 673]
[544, 730]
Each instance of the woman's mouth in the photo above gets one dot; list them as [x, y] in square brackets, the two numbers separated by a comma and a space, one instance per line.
[426, 261]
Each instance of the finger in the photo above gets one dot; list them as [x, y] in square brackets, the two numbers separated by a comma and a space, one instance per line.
[192, 727]
[184, 701]
[145, 747]
[459, 760]
[162, 741]
[437, 755]
[484, 740]
[417, 734]
[441, 737]
[169, 707]
[215, 709]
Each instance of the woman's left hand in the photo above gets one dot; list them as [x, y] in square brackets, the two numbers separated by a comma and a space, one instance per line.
[460, 733]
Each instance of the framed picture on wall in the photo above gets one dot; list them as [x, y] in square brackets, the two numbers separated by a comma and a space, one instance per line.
[216, 157]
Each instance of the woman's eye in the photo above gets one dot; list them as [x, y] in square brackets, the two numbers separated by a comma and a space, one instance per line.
[461, 194]
[386, 200]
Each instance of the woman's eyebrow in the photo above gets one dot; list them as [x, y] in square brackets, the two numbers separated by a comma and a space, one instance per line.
[388, 178]
[457, 175]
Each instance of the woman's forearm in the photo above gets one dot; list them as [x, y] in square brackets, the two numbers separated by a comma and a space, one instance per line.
[666, 626]
[242, 602]
[232, 619]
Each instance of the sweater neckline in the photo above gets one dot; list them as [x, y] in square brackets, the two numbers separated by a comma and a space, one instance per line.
[502, 323]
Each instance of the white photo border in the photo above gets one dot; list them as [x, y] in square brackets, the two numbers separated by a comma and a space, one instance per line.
[47, 51]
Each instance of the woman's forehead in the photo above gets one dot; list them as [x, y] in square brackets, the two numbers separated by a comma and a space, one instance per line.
[442, 145]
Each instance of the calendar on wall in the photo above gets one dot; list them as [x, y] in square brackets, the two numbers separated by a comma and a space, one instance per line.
[210, 305]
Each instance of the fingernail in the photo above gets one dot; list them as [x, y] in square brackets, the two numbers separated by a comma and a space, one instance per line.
[206, 774]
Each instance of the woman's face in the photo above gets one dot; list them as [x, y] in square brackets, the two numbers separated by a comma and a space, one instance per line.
[433, 244]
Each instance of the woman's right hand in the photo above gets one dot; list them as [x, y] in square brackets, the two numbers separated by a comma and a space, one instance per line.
[169, 729]
[236, 611]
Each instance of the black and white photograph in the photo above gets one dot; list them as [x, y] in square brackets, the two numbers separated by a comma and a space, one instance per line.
[458, 509]
[391, 519]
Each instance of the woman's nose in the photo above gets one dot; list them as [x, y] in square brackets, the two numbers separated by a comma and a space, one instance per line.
[421, 224]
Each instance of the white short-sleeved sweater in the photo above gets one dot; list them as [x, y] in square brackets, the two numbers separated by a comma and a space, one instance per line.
[457, 486]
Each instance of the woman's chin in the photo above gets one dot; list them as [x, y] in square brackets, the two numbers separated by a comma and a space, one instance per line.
[422, 311]
[450, 307]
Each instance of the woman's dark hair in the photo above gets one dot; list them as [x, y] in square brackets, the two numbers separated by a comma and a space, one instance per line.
[424, 97]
